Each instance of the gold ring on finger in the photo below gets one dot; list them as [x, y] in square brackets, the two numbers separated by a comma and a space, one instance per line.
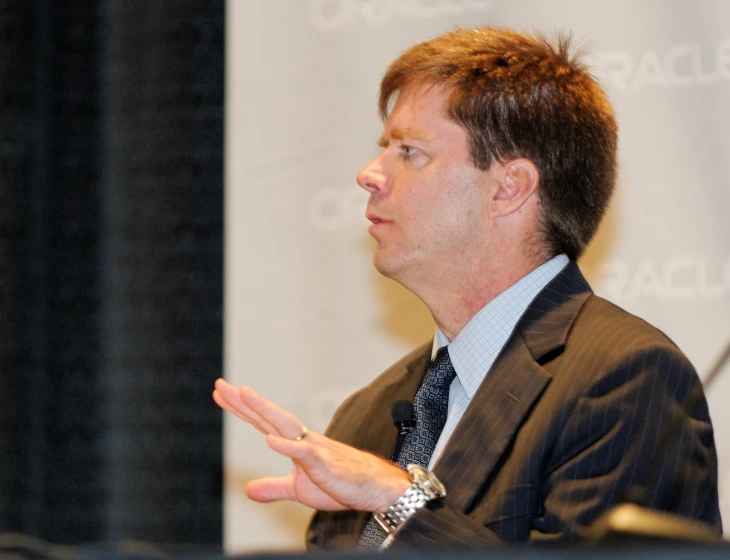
[301, 436]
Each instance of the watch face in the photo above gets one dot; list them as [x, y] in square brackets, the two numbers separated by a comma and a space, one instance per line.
[427, 480]
[438, 488]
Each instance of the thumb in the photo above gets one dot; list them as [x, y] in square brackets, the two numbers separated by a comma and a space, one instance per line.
[270, 489]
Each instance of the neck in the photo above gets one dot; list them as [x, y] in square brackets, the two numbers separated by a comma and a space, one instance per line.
[453, 299]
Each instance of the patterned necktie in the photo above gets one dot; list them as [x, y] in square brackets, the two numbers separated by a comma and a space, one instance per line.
[431, 406]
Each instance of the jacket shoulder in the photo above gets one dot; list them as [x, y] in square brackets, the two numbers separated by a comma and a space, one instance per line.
[603, 319]
[391, 385]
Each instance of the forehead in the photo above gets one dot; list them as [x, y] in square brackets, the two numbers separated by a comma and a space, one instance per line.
[425, 103]
[420, 113]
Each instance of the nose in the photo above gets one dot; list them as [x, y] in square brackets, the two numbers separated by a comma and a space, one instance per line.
[373, 178]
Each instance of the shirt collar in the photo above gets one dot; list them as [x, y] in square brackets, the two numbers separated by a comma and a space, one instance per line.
[476, 346]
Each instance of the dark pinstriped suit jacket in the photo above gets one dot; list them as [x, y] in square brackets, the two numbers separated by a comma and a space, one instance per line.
[566, 421]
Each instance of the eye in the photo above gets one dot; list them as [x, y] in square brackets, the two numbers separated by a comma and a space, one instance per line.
[407, 151]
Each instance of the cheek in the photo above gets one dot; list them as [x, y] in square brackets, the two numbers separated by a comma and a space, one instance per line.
[444, 201]
[462, 213]
[412, 203]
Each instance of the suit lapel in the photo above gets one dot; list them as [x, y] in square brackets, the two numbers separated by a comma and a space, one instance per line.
[378, 434]
[514, 384]
[498, 408]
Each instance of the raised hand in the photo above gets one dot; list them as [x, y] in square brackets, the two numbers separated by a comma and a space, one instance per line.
[326, 474]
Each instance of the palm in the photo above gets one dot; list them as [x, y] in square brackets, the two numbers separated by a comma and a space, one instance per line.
[306, 492]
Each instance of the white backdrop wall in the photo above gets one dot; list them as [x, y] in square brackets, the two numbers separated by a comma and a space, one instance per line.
[308, 320]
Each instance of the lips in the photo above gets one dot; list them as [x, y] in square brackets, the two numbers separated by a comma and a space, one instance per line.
[374, 218]
[377, 222]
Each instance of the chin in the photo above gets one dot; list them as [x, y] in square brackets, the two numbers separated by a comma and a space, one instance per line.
[397, 267]
[385, 264]
[380, 265]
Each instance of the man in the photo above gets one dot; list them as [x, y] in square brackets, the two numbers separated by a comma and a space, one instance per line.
[538, 405]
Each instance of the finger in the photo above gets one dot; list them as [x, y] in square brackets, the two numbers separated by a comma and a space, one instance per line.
[315, 453]
[263, 424]
[284, 488]
[302, 451]
[229, 394]
[256, 410]
[271, 489]
[225, 405]
[228, 398]
[283, 423]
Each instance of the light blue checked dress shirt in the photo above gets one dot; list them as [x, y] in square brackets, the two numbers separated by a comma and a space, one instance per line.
[477, 345]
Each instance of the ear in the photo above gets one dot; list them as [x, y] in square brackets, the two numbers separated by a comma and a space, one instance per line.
[517, 182]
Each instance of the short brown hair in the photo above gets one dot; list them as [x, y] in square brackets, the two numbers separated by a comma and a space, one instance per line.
[520, 95]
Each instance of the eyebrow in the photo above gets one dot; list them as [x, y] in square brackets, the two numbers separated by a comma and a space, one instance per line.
[401, 134]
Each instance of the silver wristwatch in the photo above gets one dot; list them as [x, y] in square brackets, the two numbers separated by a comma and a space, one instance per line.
[425, 487]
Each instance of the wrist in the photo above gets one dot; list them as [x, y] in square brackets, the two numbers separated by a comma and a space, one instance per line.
[401, 481]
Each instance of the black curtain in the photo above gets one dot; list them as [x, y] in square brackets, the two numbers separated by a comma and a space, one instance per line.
[111, 250]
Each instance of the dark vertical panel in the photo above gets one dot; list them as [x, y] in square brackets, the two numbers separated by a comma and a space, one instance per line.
[111, 279]
[50, 307]
[75, 484]
[19, 364]
[36, 281]
[164, 267]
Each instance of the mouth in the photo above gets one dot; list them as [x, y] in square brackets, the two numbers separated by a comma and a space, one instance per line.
[377, 223]
[375, 219]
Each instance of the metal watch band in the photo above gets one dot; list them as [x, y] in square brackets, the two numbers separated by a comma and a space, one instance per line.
[425, 487]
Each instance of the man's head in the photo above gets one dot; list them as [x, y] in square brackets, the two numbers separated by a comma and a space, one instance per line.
[521, 96]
